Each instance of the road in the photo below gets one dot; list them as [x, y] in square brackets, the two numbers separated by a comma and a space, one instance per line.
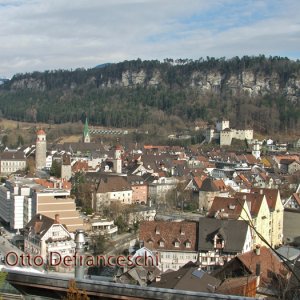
[6, 247]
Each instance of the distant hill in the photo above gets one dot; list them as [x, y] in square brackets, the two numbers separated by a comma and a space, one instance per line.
[3, 80]
[102, 66]
[257, 92]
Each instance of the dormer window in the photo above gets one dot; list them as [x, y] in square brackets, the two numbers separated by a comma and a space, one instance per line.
[176, 243]
[161, 243]
[157, 231]
[182, 231]
[188, 244]
[219, 242]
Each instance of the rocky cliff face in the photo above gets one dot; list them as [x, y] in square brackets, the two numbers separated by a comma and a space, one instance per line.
[246, 82]
[216, 82]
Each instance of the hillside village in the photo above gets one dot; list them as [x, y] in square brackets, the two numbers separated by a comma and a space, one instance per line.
[219, 221]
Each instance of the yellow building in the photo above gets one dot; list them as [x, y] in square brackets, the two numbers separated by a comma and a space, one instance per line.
[276, 213]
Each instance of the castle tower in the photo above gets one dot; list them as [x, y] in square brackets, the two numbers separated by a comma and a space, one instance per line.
[86, 132]
[66, 169]
[40, 150]
[117, 160]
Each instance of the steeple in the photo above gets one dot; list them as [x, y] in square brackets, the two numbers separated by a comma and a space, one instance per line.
[86, 132]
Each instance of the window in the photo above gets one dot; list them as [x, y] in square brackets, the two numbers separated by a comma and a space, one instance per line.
[188, 244]
[161, 243]
[176, 244]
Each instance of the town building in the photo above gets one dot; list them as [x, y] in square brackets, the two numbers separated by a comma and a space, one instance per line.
[276, 210]
[174, 242]
[209, 189]
[48, 238]
[12, 161]
[15, 202]
[49, 202]
[112, 188]
[221, 240]
[103, 227]
[139, 189]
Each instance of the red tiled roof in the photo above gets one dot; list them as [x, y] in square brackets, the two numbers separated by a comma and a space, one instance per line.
[271, 196]
[245, 180]
[255, 199]
[219, 183]
[199, 180]
[269, 263]
[251, 159]
[297, 197]
[44, 182]
[229, 207]
[152, 232]
[80, 166]
[113, 183]
[40, 132]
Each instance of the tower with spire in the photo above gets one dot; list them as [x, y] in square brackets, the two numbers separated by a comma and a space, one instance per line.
[86, 132]
[117, 161]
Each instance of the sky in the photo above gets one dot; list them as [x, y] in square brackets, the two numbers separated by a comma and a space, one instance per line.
[39, 35]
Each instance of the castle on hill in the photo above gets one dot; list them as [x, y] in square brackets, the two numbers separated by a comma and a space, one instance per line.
[223, 132]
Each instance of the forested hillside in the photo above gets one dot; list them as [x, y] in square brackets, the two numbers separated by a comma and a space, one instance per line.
[258, 92]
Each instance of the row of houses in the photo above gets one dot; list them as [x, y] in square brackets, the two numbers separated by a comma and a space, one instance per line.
[233, 225]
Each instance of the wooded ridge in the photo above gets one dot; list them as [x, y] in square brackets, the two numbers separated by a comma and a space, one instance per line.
[257, 92]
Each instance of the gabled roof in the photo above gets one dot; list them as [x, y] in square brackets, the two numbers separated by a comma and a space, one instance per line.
[209, 186]
[255, 200]
[113, 184]
[169, 232]
[12, 155]
[198, 180]
[233, 231]
[296, 197]
[231, 208]
[271, 196]
[40, 224]
[268, 261]
[190, 278]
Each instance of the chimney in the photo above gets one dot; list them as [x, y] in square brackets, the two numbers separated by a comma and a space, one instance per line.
[257, 249]
[257, 273]
[57, 221]
[79, 241]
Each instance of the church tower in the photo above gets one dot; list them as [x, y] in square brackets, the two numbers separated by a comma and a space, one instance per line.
[256, 151]
[40, 150]
[86, 132]
[117, 160]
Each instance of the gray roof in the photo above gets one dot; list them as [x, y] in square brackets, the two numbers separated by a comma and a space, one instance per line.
[233, 231]
[209, 186]
[289, 252]
[188, 277]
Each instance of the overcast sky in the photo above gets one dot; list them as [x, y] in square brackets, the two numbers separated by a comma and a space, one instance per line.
[38, 35]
